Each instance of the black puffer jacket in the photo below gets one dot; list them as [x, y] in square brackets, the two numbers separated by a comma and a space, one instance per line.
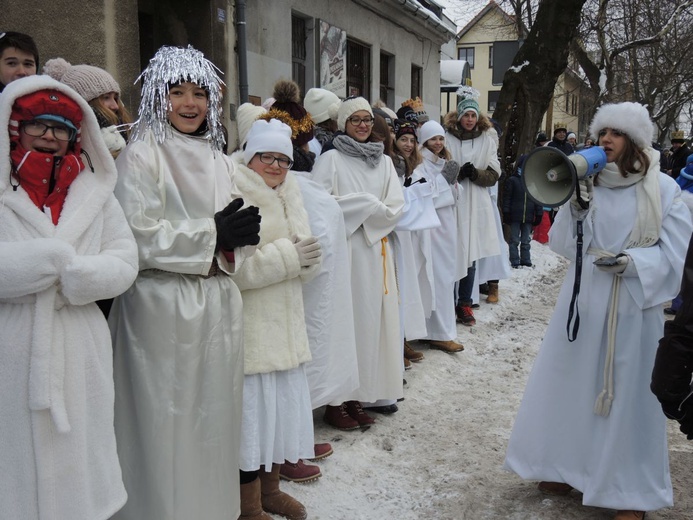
[564, 146]
[517, 206]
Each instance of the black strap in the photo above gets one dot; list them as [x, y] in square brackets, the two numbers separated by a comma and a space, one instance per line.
[574, 310]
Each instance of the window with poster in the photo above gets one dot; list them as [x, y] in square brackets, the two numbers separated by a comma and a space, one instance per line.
[416, 81]
[358, 69]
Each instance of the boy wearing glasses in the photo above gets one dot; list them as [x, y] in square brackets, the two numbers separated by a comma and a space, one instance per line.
[64, 243]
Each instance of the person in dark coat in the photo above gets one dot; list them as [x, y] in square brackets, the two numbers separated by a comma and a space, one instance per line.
[673, 368]
[520, 213]
[559, 140]
[679, 152]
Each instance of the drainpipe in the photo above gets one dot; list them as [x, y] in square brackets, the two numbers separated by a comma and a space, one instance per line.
[242, 52]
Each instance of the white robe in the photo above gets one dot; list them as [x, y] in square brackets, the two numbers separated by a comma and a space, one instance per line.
[495, 267]
[619, 461]
[476, 213]
[178, 337]
[333, 370]
[372, 201]
[441, 325]
[58, 454]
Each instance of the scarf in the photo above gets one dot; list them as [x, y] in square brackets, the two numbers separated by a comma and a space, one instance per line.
[303, 161]
[370, 153]
[322, 135]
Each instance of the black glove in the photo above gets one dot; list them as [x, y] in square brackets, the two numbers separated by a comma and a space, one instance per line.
[468, 171]
[407, 182]
[237, 227]
[686, 421]
[537, 219]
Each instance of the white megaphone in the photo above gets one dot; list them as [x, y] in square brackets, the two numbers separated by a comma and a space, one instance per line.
[550, 176]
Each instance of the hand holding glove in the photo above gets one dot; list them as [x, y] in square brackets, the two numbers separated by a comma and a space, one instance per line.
[450, 171]
[308, 250]
[468, 171]
[237, 227]
[584, 189]
[613, 265]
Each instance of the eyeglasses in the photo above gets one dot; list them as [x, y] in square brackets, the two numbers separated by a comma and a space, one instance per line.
[356, 121]
[268, 158]
[36, 128]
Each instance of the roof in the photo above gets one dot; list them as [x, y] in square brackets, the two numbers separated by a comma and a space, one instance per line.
[492, 5]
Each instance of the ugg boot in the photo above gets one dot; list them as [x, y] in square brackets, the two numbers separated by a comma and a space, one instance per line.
[277, 502]
[492, 292]
[251, 505]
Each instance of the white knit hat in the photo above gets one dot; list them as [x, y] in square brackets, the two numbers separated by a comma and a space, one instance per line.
[89, 82]
[246, 115]
[348, 107]
[268, 136]
[430, 129]
[317, 103]
[630, 118]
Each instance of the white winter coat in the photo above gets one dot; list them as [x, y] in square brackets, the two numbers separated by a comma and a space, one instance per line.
[57, 444]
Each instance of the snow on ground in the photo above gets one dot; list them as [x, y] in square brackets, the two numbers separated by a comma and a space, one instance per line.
[441, 455]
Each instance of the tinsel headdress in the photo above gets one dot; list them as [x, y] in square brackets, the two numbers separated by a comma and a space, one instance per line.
[169, 66]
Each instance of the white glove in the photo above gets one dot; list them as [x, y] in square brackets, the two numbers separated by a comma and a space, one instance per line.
[584, 188]
[308, 250]
[114, 141]
[613, 265]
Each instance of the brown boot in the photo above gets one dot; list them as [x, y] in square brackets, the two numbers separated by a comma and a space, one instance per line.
[411, 354]
[555, 488]
[277, 502]
[251, 506]
[629, 515]
[492, 292]
[449, 346]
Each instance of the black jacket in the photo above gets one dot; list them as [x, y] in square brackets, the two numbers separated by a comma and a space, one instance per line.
[563, 146]
[517, 206]
[677, 160]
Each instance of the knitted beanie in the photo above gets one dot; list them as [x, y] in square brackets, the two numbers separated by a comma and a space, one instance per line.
[317, 103]
[630, 118]
[246, 115]
[391, 114]
[571, 134]
[407, 113]
[429, 130]
[348, 107]
[417, 106]
[268, 136]
[404, 127]
[467, 105]
[89, 82]
[287, 99]
[380, 112]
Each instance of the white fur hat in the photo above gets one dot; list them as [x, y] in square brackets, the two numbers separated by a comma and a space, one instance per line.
[348, 107]
[630, 118]
[430, 129]
[317, 103]
[268, 136]
[246, 115]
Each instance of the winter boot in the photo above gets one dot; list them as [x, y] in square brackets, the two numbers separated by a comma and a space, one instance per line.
[492, 292]
[465, 315]
[299, 471]
[411, 354]
[251, 506]
[555, 488]
[629, 515]
[277, 502]
[338, 417]
[449, 346]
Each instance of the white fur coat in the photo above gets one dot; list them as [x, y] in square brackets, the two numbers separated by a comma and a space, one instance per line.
[57, 444]
[271, 280]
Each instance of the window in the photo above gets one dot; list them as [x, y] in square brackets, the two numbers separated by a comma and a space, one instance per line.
[298, 51]
[387, 89]
[493, 99]
[358, 69]
[490, 57]
[416, 76]
[467, 54]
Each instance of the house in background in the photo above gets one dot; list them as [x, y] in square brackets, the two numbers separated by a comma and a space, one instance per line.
[384, 49]
[489, 43]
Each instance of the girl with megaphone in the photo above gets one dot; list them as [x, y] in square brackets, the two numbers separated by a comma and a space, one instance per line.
[588, 420]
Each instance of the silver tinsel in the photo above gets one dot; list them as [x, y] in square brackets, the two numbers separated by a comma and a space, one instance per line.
[171, 65]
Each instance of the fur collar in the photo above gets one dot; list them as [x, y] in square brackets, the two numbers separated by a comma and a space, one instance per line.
[452, 126]
[282, 211]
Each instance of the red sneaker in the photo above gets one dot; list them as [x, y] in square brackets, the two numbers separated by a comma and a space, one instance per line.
[299, 472]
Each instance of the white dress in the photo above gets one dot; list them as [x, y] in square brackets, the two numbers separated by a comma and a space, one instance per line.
[619, 461]
[178, 337]
[332, 372]
[372, 201]
[441, 325]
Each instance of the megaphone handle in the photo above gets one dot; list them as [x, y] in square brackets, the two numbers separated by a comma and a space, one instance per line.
[574, 310]
[584, 204]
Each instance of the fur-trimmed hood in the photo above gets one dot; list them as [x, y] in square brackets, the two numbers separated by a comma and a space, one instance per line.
[452, 125]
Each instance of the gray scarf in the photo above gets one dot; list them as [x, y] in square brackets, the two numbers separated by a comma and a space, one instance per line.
[370, 153]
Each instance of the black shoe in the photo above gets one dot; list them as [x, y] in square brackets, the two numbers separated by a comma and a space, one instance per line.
[483, 288]
[515, 266]
[475, 305]
[527, 265]
[385, 410]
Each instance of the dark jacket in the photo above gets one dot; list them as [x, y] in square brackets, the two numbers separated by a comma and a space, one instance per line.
[564, 146]
[671, 376]
[677, 160]
[517, 206]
